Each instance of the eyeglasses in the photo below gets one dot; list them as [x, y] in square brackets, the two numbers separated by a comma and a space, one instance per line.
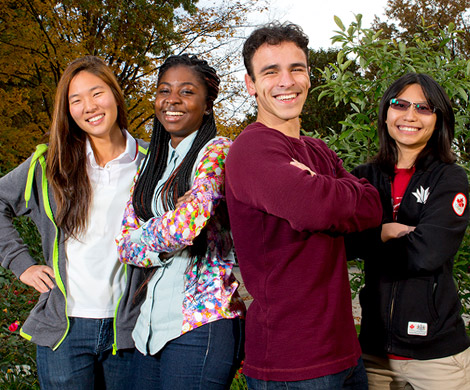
[403, 105]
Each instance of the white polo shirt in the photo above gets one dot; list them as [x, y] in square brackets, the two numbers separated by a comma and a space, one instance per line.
[95, 277]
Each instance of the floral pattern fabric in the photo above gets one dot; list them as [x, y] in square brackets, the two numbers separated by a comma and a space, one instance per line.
[211, 289]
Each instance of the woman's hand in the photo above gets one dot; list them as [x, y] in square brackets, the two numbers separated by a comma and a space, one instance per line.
[395, 230]
[187, 197]
[39, 277]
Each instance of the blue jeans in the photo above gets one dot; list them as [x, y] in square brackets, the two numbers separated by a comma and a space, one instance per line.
[354, 378]
[85, 360]
[205, 358]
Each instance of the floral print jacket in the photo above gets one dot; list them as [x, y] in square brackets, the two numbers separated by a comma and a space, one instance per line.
[211, 288]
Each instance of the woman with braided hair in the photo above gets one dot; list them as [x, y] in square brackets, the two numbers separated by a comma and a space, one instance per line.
[189, 334]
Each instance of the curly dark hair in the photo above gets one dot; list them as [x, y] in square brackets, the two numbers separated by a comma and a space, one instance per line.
[273, 33]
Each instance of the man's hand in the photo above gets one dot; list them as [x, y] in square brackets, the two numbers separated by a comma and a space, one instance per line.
[395, 230]
[298, 164]
[39, 277]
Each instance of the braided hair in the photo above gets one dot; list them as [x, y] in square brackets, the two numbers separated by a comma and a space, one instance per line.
[155, 163]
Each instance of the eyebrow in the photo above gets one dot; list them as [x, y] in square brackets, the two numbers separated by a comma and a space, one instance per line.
[180, 84]
[276, 66]
[91, 90]
[406, 100]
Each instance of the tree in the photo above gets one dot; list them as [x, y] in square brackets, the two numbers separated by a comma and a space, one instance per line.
[132, 36]
[412, 15]
[322, 117]
[381, 61]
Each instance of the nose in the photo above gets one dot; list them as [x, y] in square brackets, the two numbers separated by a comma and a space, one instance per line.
[90, 105]
[173, 97]
[410, 113]
[286, 80]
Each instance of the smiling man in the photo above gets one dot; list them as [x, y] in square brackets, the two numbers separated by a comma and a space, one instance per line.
[290, 202]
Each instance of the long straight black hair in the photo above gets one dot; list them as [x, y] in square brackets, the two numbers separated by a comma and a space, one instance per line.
[439, 145]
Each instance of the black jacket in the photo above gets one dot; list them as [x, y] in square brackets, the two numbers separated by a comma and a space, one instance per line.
[410, 305]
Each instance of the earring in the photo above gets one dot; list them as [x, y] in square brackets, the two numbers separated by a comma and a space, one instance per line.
[207, 112]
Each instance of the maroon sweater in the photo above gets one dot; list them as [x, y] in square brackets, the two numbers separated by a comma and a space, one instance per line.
[287, 227]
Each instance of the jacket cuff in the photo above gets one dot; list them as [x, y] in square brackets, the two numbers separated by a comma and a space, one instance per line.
[21, 263]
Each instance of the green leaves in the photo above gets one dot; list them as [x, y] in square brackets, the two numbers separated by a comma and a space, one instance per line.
[368, 63]
[339, 23]
[17, 356]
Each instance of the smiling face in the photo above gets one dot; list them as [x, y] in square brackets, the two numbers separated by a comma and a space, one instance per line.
[281, 85]
[181, 102]
[410, 130]
[92, 105]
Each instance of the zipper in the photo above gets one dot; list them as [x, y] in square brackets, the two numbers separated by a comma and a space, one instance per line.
[55, 250]
[116, 313]
[39, 157]
[140, 149]
[390, 315]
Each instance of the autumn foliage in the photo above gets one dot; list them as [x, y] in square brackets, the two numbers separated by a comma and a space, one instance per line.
[38, 38]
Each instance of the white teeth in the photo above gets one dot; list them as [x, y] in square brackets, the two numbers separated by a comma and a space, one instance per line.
[95, 118]
[173, 113]
[286, 97]
[406, 128]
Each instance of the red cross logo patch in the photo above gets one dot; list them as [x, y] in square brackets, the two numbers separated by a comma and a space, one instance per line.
[459, 204]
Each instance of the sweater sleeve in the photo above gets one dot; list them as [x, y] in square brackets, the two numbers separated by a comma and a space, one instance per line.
[259, 174]
[365, 244]
[368, 211]
[177, 228]
[14, 254]
[441, 227]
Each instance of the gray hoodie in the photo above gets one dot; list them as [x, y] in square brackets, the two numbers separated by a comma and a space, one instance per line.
[25, 191]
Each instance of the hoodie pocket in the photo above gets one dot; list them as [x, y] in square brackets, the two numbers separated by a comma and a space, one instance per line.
[415, 315]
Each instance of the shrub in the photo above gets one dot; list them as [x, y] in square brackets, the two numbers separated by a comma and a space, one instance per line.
[380, 62]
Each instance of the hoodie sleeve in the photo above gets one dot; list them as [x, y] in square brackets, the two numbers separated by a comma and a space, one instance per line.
[14, 254]
[441, 227]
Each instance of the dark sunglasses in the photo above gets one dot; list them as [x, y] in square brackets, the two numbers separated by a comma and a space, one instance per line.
[403, 105]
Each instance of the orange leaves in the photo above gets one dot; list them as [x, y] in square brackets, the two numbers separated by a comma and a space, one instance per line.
[38, 38]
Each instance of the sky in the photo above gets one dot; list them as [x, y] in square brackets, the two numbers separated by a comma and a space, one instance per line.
[317, 17]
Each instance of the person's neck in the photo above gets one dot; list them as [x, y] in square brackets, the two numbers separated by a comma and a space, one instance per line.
[108, 148]
[290, 128]
[407, 157]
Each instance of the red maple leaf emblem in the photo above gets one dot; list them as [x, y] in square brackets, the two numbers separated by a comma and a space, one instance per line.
[412, 326]
[460, 202]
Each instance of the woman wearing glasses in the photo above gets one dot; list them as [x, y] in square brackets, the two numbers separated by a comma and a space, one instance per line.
[412, 333]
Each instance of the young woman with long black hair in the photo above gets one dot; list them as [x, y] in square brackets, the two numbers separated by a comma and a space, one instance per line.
[189, 334]
[412, 334]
